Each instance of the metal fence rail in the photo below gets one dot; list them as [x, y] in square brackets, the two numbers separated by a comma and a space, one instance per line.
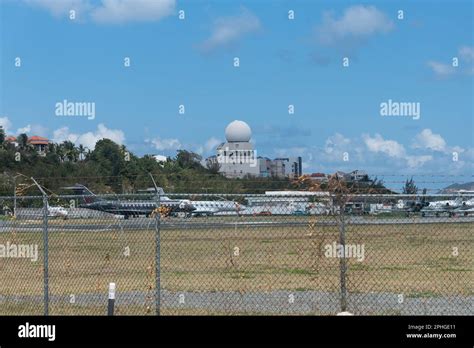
[253, 254]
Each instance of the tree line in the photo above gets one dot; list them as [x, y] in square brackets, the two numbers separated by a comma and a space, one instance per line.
[111, 168]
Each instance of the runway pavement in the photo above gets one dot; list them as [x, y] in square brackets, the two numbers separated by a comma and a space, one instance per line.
[215, 222]
[272, 302]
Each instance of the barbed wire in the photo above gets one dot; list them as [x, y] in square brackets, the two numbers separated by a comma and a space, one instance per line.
[371, 176]
[272, 181]
[270, 197]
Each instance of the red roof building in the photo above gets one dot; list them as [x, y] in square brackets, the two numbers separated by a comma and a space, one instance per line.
[40, 143]
[318, 177]
[10, 139]
[37, 140]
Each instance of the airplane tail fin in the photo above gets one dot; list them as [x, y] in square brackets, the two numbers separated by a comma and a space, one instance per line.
[159, 190]
[87, 195]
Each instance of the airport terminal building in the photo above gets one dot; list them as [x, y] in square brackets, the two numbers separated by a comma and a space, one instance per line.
[237, 157]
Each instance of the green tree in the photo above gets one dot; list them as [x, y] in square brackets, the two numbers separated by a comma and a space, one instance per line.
[22, 141]
[70, 151]
[2, 135]
[60, 152]
[188, 159]
[213, 166]
[82, 150]
[410, 187]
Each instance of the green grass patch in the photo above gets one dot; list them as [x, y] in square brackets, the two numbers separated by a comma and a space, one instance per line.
[298, 271]
[423, 294]
[452, 269]
[394, 268]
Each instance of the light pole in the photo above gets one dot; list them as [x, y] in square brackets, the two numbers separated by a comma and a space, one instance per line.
[14, 192]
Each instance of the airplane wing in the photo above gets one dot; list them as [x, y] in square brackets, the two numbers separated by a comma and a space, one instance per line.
[206, 211]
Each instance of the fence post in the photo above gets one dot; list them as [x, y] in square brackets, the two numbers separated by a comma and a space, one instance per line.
[342, 260]
[158, 257]
[14, 196]
[45, 257]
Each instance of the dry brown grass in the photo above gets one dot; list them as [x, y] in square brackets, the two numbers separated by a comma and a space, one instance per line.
[416, 260]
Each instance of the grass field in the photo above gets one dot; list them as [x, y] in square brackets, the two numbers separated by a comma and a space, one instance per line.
[417, 260]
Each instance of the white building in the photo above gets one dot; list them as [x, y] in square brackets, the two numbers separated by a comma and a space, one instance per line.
[237, 157]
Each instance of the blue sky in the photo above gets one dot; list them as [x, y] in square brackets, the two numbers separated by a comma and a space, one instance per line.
[282, 62]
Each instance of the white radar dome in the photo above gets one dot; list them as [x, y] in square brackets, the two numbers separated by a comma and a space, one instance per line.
[238, 131]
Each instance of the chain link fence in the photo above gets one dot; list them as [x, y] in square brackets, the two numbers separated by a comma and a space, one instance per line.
[254, 254]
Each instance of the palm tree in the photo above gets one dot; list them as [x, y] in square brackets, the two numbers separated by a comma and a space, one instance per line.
[70, 151]
[82, 150]
[22, 141]
[60, 151]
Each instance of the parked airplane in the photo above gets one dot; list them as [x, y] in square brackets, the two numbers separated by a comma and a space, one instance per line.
[466, 208]
[52, 211]
[451, 206]
[56, 211]
[128, 208]
[202, 208]
[415, 206]
[205, 208]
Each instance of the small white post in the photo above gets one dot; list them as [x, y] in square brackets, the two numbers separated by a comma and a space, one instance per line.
[111, 303]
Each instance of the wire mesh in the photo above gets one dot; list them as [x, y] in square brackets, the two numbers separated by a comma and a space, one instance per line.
[242, 254]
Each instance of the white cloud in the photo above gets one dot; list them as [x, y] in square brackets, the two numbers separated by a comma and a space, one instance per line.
[33, 129]
[211, 144]
[466, 67]
[441, 69]
[119, 11]
[6, 124]
[26, 129]
[418, 161]
[467, 53]
[293, 151]
[61, 7]
[336, 143]
[109, 11]
[457, 149]
[388, 147]
[89, 139]
[426, 139]
[165, 144]
[199, 150]
[378, 155]
[30, 129]
[37, 129]
[228, 30]
[63, 134]
[357, 22]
